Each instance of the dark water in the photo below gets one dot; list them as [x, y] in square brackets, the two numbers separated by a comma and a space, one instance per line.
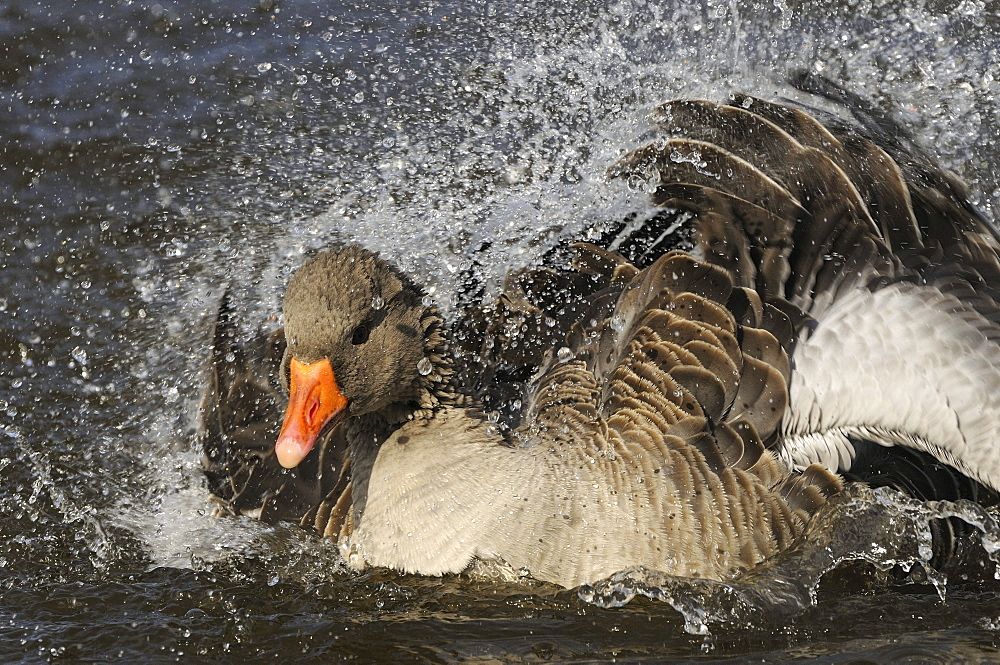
[152, 152]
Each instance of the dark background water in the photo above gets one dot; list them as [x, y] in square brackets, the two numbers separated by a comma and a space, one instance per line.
[151, 152]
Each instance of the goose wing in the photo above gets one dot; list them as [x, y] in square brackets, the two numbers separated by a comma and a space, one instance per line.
[673, 376]
[887, 274]
[241, 416]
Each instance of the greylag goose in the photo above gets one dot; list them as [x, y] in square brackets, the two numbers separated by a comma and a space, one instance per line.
[681, 400]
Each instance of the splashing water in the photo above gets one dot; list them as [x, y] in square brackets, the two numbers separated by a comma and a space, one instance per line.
[497, 161]
[881, 527]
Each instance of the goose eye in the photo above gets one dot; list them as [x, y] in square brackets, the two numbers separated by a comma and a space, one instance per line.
[360, 335]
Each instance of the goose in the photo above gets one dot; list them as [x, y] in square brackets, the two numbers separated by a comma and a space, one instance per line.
[805, 306]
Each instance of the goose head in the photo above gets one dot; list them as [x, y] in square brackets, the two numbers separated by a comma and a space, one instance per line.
[360, 343]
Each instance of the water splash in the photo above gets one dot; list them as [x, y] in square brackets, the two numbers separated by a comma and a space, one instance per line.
[483, 162]
[880, 527]
[47, 490]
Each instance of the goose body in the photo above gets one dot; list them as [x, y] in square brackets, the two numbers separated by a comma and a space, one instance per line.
[683, 405]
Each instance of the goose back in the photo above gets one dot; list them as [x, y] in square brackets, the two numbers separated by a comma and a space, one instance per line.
[640, 444]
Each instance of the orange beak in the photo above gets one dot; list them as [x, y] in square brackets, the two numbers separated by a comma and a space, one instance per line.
[313, 401]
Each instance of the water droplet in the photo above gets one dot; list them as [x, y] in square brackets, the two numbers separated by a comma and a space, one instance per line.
[564, 354]
[377, 302]
[264, 67]
[424, 366]
[79, 355]
[618, 322]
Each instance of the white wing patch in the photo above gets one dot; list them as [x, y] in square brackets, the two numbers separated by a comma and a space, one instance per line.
[906, 364]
